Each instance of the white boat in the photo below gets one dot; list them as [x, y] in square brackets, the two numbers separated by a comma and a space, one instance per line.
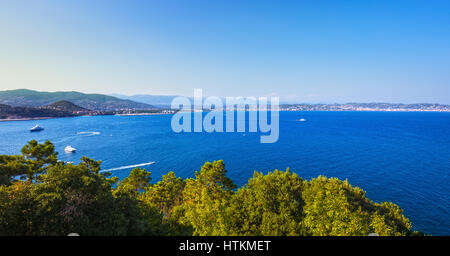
[36, 128]
[302, 120]
[70, 149]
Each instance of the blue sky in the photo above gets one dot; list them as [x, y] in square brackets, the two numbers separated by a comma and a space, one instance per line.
[302, 51]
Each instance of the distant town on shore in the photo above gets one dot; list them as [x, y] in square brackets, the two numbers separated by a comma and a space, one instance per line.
[418, 107]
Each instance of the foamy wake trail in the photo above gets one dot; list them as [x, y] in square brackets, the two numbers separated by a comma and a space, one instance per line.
[88, 133]
[127, 167]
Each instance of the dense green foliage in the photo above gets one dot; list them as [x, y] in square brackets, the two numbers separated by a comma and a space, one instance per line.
[40, 195]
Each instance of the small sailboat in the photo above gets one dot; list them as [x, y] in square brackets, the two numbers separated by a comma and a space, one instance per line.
[70, 149]
[36, 128]
[302, 120]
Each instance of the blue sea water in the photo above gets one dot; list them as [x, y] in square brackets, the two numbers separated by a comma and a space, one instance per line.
[394, 156]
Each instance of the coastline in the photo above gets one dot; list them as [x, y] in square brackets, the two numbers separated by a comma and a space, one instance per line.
[45, 118]
[27, 119]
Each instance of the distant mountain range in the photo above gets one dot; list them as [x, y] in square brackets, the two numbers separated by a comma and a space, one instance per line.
[155, 100]
[95, 102]
[165, 101]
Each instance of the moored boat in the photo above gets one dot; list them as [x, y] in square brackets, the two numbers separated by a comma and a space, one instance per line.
[36, 128]
[70, 149]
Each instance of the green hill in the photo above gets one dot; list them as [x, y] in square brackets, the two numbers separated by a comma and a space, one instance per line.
[65, 105]
[96, 102]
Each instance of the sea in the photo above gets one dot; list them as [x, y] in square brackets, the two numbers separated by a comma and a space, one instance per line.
[403, 157]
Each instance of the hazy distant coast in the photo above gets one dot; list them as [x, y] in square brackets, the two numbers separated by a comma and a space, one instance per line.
[25, 119]
[382, 107]
[147, 114]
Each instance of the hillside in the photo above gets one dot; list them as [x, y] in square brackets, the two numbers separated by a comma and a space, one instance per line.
[96, 102]
[9, 112]
[65, 105]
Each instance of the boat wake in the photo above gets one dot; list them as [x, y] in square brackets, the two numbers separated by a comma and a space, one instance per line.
[88, 133]
[127, 167]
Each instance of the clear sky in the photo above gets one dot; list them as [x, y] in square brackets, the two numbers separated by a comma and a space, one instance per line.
[304, 51]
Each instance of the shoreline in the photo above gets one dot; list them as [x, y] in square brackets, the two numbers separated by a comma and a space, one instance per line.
[45, 118]
[27, 119]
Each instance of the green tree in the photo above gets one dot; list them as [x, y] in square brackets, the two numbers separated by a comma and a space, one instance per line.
[138, 180]
[18, 208]
[335, 208]
[12, 168]
[269, 205]
[35, 159]
[38, 157]
[206, 198]
[92, 165]
[388, 220]
[73, 198]
[166, 196]
[143, 219]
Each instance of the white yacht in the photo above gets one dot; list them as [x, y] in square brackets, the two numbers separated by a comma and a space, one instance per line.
[70, 149]
[36, 128]
[302, 120]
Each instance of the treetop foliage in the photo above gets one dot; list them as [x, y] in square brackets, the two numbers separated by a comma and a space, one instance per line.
[40, 195]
